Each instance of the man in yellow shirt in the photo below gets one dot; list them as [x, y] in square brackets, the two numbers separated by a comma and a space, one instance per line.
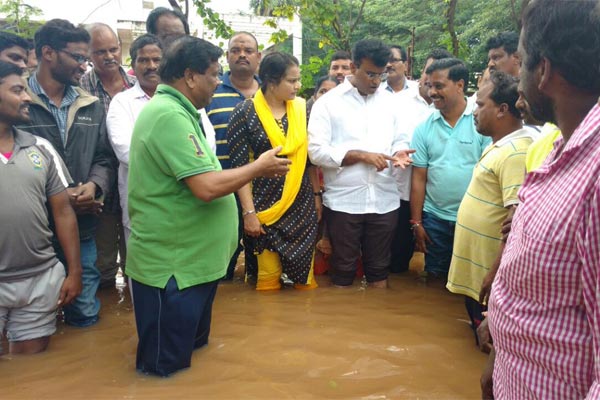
[496, 180]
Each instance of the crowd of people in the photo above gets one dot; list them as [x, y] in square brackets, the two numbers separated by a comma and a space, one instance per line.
[172, 169]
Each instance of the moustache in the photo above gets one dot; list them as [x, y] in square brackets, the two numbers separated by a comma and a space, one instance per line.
[153, 72]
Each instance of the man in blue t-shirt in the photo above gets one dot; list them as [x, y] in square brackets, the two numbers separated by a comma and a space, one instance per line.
[448, 147]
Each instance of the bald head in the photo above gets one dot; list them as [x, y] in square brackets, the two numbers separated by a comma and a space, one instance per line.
[104, 48]
[243, 56]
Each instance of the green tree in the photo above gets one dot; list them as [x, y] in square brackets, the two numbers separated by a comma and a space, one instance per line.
[462, 26]
[18, 17]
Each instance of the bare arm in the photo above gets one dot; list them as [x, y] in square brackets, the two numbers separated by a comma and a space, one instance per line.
[487, 385]
[417, 200]
[316, 186]
[252, 225]
[486, 286]
[378, 160]
[68, 237]
[211, 185]
[417, 192]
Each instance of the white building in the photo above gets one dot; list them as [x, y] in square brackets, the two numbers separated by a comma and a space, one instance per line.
[128, 19]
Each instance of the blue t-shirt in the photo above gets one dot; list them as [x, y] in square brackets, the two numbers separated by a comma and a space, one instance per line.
[449, 154]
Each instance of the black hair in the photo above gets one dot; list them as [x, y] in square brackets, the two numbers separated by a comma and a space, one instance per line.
[273, 67]
[341, 55]
[158, 12]
[7, 69]
[57, 33]
[323, 79]
[505, 91]
[457, 70]
[371, 49]
[439, 54]
[238, 33]
[140, 42]
[568, 35]
[509, 41]
[8, 40]
[403, 55]
[187, 52]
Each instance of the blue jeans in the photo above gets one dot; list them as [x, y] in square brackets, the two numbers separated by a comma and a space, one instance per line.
[83, 311]
[439, 253]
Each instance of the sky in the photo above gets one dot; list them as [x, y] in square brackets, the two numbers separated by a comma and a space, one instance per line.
[106, 10]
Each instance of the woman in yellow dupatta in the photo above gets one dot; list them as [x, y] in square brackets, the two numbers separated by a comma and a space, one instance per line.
[280, 214]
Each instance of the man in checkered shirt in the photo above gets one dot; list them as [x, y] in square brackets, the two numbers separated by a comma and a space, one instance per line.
[544, 309]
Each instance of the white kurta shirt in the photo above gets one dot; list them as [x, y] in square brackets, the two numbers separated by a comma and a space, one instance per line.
[344, 120]
[412, 109]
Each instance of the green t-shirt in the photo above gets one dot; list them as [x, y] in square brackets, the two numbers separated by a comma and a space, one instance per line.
[173, 233]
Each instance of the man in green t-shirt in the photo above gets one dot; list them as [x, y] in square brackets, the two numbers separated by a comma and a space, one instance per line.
[183, 215]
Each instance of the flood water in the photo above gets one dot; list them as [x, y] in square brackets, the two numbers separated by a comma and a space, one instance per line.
[410, 341]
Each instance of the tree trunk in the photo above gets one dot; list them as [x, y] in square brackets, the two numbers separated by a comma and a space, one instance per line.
[524, 4]
[450, 18]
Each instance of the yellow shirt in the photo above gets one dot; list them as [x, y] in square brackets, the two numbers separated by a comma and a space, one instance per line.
[496, 180]
[540, 148]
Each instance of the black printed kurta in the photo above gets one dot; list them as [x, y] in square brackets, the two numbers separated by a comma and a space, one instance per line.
[293, 237]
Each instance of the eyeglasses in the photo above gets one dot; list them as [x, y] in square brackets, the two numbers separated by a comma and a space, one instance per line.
[394, 60]
[80, 59]
[373, 75]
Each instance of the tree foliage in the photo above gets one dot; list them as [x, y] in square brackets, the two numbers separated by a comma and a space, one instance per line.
[212, 19]
[18, 17]
[460, 26]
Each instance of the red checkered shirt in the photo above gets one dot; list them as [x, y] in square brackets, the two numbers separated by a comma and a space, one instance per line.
[545, 304]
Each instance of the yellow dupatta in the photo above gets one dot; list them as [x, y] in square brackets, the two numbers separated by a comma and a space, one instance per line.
[295, 147]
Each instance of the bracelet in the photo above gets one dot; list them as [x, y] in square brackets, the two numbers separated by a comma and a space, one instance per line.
[414, 221]
[319, 193]
[248, 212]
[414, 226]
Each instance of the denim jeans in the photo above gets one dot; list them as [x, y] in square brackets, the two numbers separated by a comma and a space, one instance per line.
[439, 253]
[83, 311]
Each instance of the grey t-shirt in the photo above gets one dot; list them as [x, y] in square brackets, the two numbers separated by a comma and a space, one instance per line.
[33, 173]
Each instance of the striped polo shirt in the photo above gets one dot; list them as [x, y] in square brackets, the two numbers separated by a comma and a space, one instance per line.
[224, 100]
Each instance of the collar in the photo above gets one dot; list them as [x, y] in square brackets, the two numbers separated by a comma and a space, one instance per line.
[585, 131]
[518, 134]
[23, 139]
[226, 81]
[348, 87]
[178, 96]
[128, 80]
[138, 92]
[407, 85]
[468, 111]
[36, 88]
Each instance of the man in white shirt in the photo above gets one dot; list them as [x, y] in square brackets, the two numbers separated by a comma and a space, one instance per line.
[355, 136]
[146, 54]
[397, 82]
[414, 106]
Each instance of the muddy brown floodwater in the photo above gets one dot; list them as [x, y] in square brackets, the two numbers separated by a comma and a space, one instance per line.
[410, 341]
